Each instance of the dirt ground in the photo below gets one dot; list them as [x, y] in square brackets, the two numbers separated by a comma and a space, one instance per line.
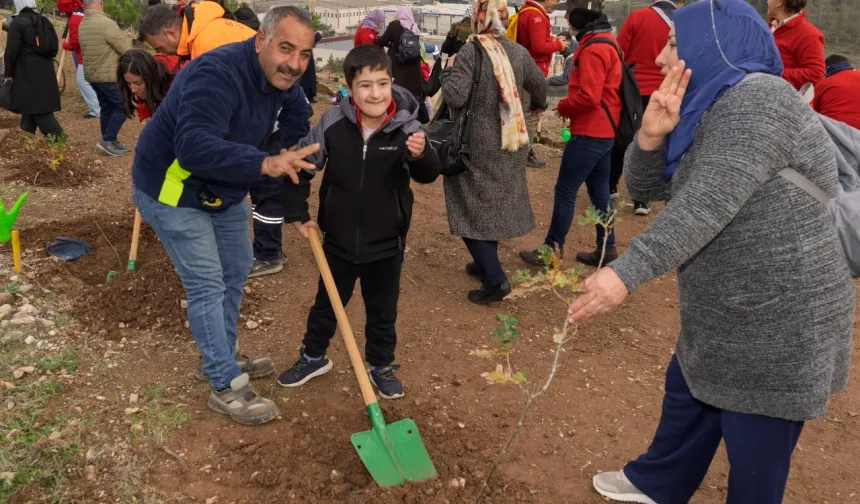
[600, 411]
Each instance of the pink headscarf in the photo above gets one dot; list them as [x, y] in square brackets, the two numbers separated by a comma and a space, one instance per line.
[375, 20]
[407, 19]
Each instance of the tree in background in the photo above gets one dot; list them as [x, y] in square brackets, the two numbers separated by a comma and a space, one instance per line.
[319, 26]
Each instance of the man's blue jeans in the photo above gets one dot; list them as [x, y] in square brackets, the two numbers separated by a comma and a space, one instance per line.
[87, 91]
[585, 159]
[212, 254]
[112, 114]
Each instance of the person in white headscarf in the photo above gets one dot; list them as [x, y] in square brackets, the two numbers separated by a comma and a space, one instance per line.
[35, 94]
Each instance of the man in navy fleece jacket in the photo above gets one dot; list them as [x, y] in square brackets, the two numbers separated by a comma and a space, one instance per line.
[193, 165]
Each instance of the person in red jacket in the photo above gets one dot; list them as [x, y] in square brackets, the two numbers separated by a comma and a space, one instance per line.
[595, 81]
[534, 32]
[74, 9]
[838, 95]
[368, 30]
[641, 38]
[800, 44]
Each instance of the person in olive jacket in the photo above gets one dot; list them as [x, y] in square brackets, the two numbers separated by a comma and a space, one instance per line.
[35, 94]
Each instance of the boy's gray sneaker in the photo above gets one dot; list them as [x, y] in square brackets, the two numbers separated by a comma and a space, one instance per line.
[261, 268]
[242, 403]
[120, 147]
[108, 148]
[255, 367]
[617, 487]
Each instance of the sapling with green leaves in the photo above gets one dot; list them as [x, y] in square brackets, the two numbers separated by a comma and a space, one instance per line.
[56, 150]
[563, 284]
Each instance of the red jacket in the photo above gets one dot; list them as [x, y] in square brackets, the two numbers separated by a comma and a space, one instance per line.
[171, 62]
[642, 37]
[72, 43]
[594, 77]
[364, 36]
[838, 97]
[534, 32]
[801, 47]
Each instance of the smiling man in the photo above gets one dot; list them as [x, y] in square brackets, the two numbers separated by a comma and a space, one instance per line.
[193, 165]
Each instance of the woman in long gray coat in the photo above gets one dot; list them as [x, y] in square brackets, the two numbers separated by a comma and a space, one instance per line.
[490, 202]
[765, 294]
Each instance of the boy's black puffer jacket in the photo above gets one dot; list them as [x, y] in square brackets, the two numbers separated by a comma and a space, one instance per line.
[365, 200]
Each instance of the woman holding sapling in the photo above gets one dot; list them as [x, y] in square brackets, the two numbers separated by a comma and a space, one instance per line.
[766, 298]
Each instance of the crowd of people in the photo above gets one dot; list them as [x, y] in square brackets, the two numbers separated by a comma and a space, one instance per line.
[766, 296]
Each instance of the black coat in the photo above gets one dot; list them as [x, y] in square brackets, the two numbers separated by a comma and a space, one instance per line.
[408, 75]
[34, 89]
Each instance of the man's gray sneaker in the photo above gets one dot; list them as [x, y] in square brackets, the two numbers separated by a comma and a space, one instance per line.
[261, 268]
[108, 148]
[255, 367]
[617, 487]
[242, 403]
[120, 147]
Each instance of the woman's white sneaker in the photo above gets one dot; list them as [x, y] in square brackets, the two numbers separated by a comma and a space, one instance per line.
[617, 487]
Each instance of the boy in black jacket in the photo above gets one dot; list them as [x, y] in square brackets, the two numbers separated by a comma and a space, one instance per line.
[370, 146]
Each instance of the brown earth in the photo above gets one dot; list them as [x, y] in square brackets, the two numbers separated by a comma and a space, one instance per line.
[600, 411]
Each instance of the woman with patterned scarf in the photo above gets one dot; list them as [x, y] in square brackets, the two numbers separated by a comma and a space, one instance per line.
[490, 202]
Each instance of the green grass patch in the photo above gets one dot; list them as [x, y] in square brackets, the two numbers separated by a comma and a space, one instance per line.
[67, 360]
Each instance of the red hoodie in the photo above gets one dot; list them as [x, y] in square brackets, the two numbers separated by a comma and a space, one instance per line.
[838, 97]
[364, 36]
[594, 77]
[642, 37]
[72, 43]
[801, 47]
[534, 32]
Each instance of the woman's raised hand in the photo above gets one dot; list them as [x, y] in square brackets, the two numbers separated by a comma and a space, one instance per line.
[664, 109]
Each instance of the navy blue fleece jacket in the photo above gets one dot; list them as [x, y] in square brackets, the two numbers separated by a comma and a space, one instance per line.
[208, 138]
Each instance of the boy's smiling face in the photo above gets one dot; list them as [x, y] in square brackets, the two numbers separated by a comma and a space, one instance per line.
[371, 92]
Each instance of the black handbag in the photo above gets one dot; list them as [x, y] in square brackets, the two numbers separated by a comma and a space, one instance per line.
[434, 83]
[6, 94]
[450, 133]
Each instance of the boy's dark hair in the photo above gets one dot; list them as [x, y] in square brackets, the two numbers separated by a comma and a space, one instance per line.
[151, 72]
[566, 34]
[835, 58]
[794, 6]
[155, 19]
[365, 56]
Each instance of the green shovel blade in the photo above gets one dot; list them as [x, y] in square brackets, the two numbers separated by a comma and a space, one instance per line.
[393, 453]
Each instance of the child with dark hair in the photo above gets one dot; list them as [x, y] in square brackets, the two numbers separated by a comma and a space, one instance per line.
[370, 147]
[836, 96]
[143, 83]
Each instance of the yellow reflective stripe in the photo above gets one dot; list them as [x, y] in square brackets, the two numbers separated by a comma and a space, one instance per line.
[173, 184]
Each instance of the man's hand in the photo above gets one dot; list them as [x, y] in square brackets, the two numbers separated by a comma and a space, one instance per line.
[289, 163]
[303, 228]
[416, 144]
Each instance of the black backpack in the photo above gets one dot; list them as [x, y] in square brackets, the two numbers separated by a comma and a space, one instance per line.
[631, 100]
[409, 50]
[451, 135]
[47, 43]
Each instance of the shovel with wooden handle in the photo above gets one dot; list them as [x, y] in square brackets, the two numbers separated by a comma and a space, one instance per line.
[393, 453]
[135, 239]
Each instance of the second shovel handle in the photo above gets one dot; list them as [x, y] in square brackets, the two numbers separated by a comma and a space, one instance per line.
[342, 321]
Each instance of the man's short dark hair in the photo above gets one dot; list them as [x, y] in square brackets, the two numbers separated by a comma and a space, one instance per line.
[365, 56]
[835, 58]
[155, 19]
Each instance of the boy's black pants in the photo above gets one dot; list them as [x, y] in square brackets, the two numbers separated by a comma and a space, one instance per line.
[617, 163]
[267, 203]
[380, 288]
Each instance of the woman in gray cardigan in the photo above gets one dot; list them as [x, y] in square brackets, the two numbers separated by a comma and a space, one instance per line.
[490, 202]
[766, 298]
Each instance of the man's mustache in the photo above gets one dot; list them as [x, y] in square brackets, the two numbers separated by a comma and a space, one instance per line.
[287, 69]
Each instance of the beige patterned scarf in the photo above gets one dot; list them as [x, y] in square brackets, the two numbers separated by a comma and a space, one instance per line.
[489, 20]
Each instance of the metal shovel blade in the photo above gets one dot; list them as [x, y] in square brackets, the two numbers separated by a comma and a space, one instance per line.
[394, 453]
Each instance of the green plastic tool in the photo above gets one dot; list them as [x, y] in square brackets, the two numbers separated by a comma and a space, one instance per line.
[393, 453]
[7, 219]
[565, 134]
